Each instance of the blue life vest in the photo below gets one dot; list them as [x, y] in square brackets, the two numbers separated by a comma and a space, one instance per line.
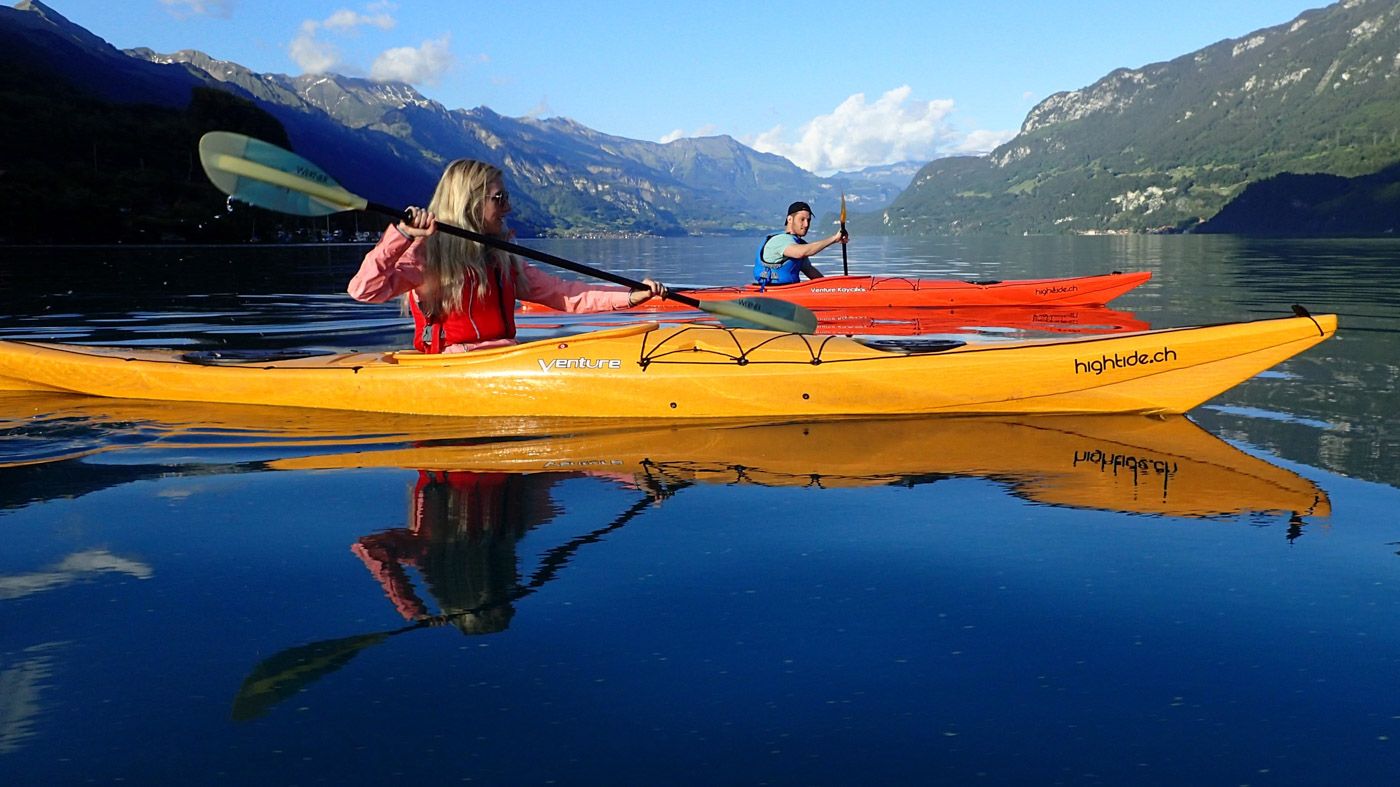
[789, 271]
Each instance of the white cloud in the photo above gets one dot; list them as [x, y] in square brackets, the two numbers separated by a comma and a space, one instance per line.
[707, 130]
[311, 54]
[345, 19]
[858, 134]
[184, 9]
[978, 143]
[424, 64]
[314, 54]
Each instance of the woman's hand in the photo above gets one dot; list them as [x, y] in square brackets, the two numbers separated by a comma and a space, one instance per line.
[655, 289]
[419, 224]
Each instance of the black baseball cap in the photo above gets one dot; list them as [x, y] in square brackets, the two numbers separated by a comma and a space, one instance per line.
[797, 206]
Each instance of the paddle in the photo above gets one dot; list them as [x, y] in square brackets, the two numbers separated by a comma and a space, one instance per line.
[845, 269]
[262, 174]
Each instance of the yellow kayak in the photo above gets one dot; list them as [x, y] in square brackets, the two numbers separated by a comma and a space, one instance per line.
[694, 371]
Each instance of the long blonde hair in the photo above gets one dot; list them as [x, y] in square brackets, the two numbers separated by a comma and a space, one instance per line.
[451, 261]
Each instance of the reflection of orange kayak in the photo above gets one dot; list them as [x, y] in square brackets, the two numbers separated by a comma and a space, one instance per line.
[909, 321]
[1118, 463]
[923, 321]
[839, 292]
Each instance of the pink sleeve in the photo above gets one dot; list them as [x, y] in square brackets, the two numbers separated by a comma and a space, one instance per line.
[383, 562]
[391, 268]
[570, 296]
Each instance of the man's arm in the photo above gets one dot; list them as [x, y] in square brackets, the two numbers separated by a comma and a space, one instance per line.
[801, 251]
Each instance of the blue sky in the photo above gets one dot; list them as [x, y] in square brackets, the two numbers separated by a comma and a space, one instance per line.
[829, 85]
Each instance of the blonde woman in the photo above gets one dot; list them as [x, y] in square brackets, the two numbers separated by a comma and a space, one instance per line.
[461, 293]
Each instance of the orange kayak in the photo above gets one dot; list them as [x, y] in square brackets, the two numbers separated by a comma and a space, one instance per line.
[914, 321]
[910, 321]
[843, 292]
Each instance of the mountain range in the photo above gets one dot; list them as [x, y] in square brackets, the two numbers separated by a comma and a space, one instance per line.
[387, 141]
[1167, 146]
[1307, 113]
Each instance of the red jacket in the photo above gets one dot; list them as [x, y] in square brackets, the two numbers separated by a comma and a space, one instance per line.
[395, 266]
[483, 318]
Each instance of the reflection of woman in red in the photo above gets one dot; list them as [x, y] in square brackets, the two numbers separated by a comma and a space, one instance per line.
[462, 541]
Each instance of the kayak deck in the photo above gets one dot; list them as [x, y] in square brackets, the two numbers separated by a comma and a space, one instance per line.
[705, 372]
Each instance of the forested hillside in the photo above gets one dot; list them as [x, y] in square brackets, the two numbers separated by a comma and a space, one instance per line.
[1166, 146]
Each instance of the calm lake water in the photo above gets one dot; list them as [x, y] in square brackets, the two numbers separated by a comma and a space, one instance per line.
[239, 595]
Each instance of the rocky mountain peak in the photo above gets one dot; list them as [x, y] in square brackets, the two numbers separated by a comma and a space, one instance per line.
[37, 15]
[1164, 146]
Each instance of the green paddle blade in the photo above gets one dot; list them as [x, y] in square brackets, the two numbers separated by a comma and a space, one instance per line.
[767, 313]
[255, 172]
[287, 673]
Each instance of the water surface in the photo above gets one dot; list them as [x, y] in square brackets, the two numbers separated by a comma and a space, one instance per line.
[229, 594]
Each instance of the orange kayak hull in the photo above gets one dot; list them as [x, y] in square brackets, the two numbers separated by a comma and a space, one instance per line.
[841, 292]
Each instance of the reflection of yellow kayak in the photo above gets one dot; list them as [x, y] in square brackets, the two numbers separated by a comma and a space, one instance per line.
[1118, 463]
[703, 372]
[83, 421]
[1121, 463]
[194, 423]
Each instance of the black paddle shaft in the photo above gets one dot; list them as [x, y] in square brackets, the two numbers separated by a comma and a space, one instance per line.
[845, 268]
[538, 256]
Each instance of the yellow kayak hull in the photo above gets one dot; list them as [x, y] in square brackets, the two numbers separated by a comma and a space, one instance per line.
[647, 371]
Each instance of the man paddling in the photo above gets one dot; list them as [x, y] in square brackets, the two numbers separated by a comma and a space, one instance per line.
[783, 257]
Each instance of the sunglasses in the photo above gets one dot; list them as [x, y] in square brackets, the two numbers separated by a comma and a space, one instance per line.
[500, 197]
